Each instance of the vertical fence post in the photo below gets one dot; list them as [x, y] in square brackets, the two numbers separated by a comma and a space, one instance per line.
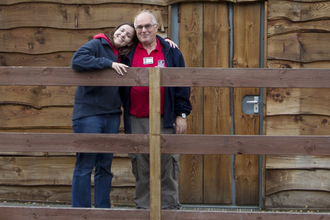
[155, 152]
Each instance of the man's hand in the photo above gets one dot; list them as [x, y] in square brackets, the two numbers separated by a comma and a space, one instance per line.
[119, 67]
[180, 125]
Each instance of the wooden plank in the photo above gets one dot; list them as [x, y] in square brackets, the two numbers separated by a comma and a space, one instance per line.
[151, 2]
[297, 162]
[97, 143]
[296, 65]
[45, 40]
[291, 101]
[246, 144]
[195, 77]
[191, 46]
[283, 180]
[31, 213]
[75, 16]
[180, 144]
[154, 145]
[38, 130]
[300, 47]
[66, 75]
[50, 154]
[246, 55]
[298, 125]
[263, 93]
[59, 194]
[298, 11]
[44, 45]
[38, 96]
[22, 59]
[217, 118]
[283, 26]
[298, 199]
[29, 171]
[18, 116]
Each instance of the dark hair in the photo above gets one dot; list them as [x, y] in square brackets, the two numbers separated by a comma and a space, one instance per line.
[123, 51]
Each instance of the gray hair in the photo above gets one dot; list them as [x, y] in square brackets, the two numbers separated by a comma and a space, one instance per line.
[154, 20]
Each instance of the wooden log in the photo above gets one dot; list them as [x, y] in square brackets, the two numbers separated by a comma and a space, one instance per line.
[299, 200]
[29, 171]
[284, 180]
[298, 11]
[30, 213]
[298, 125]
[75, 16]
[297, 162]
[295, 101]
[300, 47]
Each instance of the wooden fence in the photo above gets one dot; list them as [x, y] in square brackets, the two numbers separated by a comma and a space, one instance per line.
[181, 144]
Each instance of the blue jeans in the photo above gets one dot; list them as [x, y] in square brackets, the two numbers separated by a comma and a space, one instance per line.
[85, 162]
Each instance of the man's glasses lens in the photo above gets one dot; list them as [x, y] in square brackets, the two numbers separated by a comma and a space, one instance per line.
[147, 27]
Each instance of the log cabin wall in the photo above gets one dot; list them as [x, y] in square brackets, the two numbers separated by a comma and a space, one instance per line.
[298, 37]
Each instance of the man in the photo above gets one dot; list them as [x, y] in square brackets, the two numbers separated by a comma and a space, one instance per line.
[152, 51]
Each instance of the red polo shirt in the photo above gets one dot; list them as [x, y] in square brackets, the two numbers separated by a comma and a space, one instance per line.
[139, 96]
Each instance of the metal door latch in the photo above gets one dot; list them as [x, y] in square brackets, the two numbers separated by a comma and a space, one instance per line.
[256, 104]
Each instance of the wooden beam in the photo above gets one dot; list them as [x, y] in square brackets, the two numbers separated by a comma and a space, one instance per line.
[216, 77]
[154, 144]
[246, 144]
[150, 2]
[170, 144]
[100, 143]
[59, 213]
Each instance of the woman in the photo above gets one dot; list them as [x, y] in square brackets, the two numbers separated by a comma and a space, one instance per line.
[97, 109]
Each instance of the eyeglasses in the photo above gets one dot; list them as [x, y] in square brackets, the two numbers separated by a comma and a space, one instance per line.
[147, 27]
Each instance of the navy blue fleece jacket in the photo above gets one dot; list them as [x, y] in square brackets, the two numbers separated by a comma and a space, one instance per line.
[95, 100]
[176, 98]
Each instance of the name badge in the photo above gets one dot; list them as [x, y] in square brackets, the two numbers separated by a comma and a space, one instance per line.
[148, 60]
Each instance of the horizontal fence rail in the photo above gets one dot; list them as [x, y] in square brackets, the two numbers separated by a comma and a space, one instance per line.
[203, 77]
[33, 213]
[168, 144]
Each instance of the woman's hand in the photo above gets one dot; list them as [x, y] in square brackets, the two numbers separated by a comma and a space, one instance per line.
[171, 43]
[119, 67]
